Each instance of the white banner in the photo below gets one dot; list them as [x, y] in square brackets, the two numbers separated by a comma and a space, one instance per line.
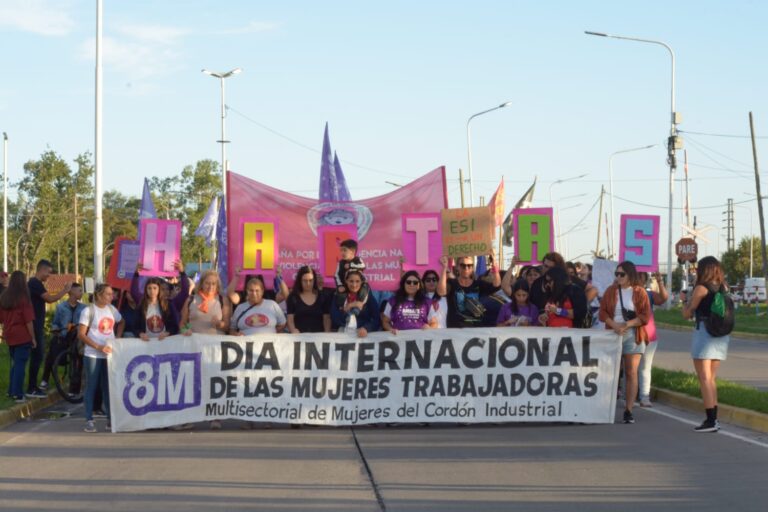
[437, 375]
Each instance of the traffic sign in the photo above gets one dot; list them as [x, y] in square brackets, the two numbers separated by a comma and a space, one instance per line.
[686, 249]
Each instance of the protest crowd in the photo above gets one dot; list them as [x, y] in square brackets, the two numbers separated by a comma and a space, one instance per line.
[457, 295]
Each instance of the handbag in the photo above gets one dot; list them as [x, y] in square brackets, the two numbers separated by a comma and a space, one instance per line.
[626, 314]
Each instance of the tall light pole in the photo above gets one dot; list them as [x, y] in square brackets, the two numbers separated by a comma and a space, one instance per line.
[673, 142]
[223, 76]
[552, 204]
[610, 188]
[469, 149]
[98, 227]
[5, 202]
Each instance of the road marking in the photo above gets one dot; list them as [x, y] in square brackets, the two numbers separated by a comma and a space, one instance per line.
[720, 432]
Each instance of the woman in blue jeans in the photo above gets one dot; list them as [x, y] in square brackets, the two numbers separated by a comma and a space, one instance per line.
[16, 315]
[100, 324]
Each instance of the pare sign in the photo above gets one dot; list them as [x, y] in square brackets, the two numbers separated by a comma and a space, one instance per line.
[686, 249]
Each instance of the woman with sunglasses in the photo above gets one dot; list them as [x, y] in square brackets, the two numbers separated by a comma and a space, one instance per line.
[707, 350]
[464, 292]
[430, 278]
[308, 307]
[409, 308]
[625, 309]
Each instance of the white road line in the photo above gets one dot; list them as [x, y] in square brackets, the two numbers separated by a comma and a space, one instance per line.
[720, 432]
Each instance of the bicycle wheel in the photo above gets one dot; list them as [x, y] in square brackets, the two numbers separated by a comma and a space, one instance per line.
[62, 372]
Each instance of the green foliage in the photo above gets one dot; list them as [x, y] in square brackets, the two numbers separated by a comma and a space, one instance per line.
[748, 319]
[736, 261]
[727, 392]
[677, 279]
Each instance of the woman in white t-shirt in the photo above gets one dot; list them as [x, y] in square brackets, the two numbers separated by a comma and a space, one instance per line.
[100, 324]
[257, 314]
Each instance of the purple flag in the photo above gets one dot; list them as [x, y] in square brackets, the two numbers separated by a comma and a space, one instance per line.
[342, 192]
[333, 186]
[207, 227]
[221, 236]
[147, 209]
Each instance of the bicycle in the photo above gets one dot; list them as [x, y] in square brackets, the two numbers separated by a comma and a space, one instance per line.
[67, 363]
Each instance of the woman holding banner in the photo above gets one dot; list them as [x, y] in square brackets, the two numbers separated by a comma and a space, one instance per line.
[308, 307]
[625, 309]
[409, 308]
[155, 317]
[430, 278]
[176, 297]
[100, 324]
[257, 315]
[368, 320]
[206, 311]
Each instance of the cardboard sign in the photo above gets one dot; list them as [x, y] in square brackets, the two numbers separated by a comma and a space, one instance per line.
[467, 231]
[422, 241]
[329, 238]
[639, 241]
[160, 246]
[257, 247]
[122, 266]
[534, 234]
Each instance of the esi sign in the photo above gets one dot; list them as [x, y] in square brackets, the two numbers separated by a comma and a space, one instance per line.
[639, 241]
[164, 382]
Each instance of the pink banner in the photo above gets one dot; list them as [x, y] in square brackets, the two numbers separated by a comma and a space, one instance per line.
[329, 239]
[160, 246]
[377, 220]
[422, 241]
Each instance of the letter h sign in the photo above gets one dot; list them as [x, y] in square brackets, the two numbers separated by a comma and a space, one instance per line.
[160, 246]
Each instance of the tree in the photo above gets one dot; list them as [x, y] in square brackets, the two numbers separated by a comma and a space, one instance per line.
[201, 184]
[736, 261]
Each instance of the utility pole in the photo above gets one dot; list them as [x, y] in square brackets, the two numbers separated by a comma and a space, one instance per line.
[729, 236]
[759, 199]
[599, 220]
[461, 186]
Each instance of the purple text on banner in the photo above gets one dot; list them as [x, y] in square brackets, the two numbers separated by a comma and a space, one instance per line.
[639, 241]
[160, 246]
[328, 240]
[422, 241]
[534, 234]
[257, 247]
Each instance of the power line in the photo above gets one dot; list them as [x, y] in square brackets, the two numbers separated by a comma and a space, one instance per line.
[315, 150]
[666, 207]
[722, 135]
[748, 166]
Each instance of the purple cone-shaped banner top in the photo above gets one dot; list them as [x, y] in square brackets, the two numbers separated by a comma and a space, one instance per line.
[333, 185]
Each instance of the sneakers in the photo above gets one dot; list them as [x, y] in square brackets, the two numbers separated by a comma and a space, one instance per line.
[108, 428]
[43, 385]
[645, 402]
[35, 393]
[708, 426]
[90, 427]
[20, 400]
[628, 418]
[215, 425]
[98, 413]
[183, 426]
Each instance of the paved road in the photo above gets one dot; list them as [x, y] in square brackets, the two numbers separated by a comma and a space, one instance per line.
[747, 361]
[656, 464]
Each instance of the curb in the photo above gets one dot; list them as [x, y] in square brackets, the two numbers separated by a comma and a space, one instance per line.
[727, 413]
[735, 334]
[23, 411]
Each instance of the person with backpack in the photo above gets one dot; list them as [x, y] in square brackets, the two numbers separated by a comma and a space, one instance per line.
[100, 323]
[16, 317]
[712, 310]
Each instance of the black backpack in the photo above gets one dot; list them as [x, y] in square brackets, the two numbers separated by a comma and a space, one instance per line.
[721, 319]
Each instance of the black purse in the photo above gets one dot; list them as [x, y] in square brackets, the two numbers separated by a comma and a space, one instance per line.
[626, 314]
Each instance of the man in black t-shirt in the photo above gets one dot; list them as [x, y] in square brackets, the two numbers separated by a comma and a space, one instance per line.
[464, 292]
[39, 297]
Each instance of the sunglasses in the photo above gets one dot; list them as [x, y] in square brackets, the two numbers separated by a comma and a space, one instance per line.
[430, 279]
[411, 282]
[466, 265]
[620, 274]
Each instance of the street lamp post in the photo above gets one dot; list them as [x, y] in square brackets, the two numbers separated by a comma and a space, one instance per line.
[223, 76]
[98, 223]
[552, 204]
[672, 141]
[610, 188]
[469, 149]
[5, 202]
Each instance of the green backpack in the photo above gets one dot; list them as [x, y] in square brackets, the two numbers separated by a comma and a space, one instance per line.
[720, 320]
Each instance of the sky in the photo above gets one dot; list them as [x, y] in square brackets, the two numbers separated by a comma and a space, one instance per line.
[397, 82]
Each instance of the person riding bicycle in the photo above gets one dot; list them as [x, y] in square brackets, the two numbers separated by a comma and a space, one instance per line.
[64, 333]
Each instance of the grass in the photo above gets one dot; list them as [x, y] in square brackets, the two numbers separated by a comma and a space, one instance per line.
[747, 320]
[727, 392]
